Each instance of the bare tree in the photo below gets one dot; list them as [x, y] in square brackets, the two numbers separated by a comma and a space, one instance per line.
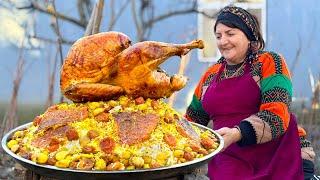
[84, 9]
[143, 13]
[44, 7]
[93, 26]
[114, 16]
[301, 45]
[144, 17]
[48, 7]
[10, 119]
[52, 68]
[55, 26]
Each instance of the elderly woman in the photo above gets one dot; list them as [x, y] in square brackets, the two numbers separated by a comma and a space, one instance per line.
[247, 94]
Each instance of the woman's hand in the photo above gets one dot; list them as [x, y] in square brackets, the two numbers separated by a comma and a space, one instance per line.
[230, 135]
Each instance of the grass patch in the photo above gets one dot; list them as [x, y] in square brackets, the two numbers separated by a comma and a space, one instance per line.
[26, 112]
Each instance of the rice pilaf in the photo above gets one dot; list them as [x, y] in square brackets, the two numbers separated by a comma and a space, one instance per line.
[94, 136]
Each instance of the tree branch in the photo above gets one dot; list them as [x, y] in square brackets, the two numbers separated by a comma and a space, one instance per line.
[174, 13]
[81, 12]
[10, 119]
[91, 21]
[98, 17]
[146, 25]
[38, 7]
[95, 19]
[57, 31]
[88, 7]
[51, 77]
[112, 14]
[47, 40]
[297, 57]
[114, 18]
[146, 12]
[136, 21]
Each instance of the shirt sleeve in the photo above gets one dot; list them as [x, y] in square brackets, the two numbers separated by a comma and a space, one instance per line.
[195, 111]
[273, 117]
[307, 152]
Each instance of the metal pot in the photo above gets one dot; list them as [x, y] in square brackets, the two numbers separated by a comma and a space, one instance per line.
[155, 173]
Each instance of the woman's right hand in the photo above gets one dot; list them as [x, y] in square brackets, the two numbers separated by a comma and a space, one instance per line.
[230, 136]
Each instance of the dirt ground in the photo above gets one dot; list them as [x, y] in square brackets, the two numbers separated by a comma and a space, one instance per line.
[9, 169]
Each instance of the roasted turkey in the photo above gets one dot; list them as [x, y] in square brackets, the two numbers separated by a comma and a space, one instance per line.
[104, 66]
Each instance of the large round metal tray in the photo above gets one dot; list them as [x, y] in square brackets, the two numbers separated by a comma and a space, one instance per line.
[156, 173]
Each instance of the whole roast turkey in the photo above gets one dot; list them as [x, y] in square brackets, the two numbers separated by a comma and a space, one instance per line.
[105, 65]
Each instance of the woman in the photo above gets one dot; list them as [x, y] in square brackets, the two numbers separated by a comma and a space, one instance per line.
[247, 94]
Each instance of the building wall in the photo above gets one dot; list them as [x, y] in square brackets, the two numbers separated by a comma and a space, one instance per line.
[293, 28]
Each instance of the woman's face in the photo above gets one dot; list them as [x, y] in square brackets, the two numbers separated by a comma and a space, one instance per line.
[233, 44]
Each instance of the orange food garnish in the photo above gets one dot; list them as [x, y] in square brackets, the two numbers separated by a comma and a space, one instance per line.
[207, 143]
[170, 140]
[92, 134]
[72, 134]
[53, 145]
[107, 145]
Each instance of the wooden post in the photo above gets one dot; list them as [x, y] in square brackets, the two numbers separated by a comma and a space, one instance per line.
[30, 175]
[183, 64]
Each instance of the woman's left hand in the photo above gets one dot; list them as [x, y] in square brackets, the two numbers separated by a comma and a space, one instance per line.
[230, 135]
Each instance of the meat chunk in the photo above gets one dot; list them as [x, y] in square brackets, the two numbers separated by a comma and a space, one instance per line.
[170, 140]
[92, 134]
[107, 145]
[85, 164]
[50, 135]
[59, 117]
[135, 127]
[72, 134]
[103, 117]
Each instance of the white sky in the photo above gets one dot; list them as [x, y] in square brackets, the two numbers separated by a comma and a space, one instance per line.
[12, 31]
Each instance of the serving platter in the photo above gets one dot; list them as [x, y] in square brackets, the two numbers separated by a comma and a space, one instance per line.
[153, 173]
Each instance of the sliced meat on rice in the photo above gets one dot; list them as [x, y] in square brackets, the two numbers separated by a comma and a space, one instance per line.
[44, 141]
[60, 117]
[135, 127]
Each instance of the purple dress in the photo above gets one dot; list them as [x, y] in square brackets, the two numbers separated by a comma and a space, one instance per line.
[228, 102]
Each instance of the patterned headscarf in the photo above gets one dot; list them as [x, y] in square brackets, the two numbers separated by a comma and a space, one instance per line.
[240, 18]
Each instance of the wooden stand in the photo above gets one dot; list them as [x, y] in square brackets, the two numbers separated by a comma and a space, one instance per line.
[30, 175]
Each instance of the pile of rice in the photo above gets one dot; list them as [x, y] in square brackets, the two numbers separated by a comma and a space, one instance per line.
[152, 153]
